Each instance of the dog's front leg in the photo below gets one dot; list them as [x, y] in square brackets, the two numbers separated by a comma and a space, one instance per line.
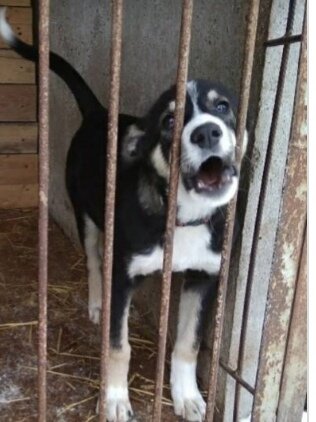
[92, 238]
[187, 399]
[118, 407]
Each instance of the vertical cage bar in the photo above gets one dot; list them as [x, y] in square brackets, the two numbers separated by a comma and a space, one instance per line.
[43, 203]
[182, 72]
[249, 49]
[288, 246]
[294, 378]
[263, 193]
[111, 164]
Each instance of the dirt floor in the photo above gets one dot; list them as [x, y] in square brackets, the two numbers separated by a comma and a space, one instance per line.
[73, 341]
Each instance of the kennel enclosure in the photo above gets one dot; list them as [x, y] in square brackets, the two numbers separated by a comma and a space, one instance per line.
[270, 283]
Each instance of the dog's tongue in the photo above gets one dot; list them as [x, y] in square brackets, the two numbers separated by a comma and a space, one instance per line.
[211, 171]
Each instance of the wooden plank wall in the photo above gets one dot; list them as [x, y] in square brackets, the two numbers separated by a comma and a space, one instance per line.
[18, 115]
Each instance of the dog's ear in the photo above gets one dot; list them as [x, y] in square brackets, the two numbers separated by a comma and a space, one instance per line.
[132, 145]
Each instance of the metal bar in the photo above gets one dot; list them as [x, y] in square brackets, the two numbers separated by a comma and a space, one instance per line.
[184, 49]
[263, 193]
[249, 49]
[43, 116]
[294, 377]
[234, 374]
[286, 257]
[111, 164]
[283, 40]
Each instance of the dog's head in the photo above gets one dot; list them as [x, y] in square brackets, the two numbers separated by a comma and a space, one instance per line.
[208, 140]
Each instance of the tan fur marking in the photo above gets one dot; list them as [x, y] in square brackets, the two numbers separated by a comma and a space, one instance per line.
[212, 95]
[119, 357]
[172, 106]
[118, 365]
[189, 308]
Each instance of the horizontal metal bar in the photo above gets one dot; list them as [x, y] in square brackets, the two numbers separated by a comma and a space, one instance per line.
[249, 50]
[110, 189]
[234, 374]
[43, 205]
[284, 40]
[184, 50]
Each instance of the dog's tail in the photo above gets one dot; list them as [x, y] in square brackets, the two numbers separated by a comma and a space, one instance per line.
[87, 101]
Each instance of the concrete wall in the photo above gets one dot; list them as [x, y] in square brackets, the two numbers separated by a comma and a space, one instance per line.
[80, 31]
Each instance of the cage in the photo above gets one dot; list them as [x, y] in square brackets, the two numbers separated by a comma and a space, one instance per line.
[252, 362]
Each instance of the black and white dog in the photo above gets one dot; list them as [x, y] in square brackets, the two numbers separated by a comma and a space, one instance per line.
[208, 181]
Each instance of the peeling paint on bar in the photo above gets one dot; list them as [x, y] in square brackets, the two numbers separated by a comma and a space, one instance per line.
[286, 260]
[184, 49]
[43, 204]
[111, 163]
[294, 376]
[264, 192]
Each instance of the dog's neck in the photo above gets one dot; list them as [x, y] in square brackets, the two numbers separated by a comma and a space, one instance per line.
[193, 208]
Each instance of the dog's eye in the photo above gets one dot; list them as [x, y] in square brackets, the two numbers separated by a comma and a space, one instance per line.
[168, 121]
[222, 106]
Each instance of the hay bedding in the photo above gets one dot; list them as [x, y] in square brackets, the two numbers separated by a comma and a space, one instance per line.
[73, 341]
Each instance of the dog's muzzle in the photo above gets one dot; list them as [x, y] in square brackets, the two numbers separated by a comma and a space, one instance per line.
[217, 171]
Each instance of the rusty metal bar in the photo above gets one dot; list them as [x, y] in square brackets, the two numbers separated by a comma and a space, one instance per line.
[111, 164]
[263, 193]
[294, 377]
[43, 116]
[283, 40]
[249, 49]
[184, 49]
[234, 374]
[289, 243]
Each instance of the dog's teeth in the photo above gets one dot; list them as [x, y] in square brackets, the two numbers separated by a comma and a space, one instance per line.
[226, 179]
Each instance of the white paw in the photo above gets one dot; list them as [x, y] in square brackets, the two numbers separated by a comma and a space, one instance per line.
[190, 409]
[95, 303]
[95, 296]
[187, 400]
[94, 312]
[118, 407]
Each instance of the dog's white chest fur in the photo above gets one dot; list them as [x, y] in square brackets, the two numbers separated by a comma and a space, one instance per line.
[191, 251]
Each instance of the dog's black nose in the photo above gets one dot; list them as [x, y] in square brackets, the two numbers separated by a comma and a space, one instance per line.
[207, 135]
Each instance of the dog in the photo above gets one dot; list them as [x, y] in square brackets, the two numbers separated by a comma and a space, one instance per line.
[208, 180]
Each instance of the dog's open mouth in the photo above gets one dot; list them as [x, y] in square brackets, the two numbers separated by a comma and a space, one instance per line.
[214, 174]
